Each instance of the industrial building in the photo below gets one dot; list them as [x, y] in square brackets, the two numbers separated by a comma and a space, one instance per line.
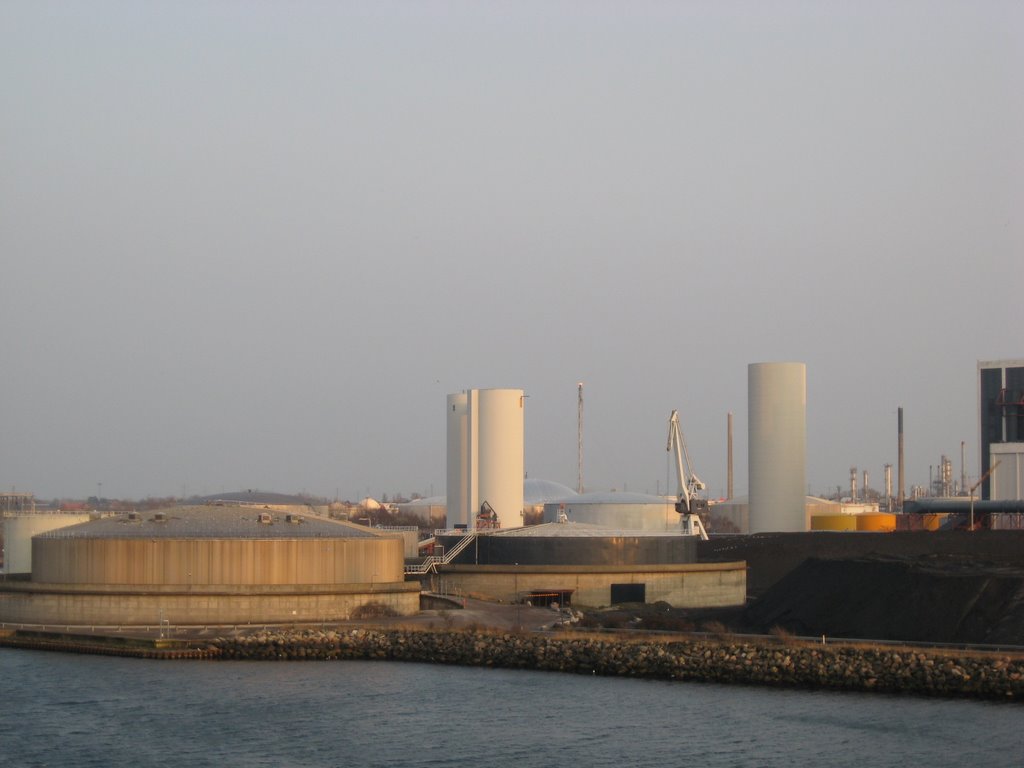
[209, 565]
[1001, 420]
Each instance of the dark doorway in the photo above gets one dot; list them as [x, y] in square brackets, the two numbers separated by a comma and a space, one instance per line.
[629, 593]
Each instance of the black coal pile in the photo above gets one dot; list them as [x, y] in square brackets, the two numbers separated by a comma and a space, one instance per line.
[931, 598]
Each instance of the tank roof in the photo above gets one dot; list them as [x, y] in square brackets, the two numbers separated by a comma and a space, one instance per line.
[539, 491]
[576, 530]
[212, 522]
[613, 497]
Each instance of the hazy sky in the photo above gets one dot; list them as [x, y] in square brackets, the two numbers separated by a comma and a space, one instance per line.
[255, 245]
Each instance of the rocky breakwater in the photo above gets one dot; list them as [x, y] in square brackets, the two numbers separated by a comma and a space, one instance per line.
[837, 667]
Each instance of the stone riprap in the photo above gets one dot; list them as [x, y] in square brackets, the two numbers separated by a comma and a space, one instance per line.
[837, 667]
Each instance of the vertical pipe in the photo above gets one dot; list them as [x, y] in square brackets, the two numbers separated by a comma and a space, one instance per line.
[963, 466]
[579, 437]
[888, 487]
[728, 490]
[901, 491]
[458, 469]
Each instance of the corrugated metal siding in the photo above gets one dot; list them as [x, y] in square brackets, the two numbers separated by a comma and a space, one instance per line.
[217, 561]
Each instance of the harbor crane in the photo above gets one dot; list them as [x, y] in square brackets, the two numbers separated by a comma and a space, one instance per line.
[688, 503]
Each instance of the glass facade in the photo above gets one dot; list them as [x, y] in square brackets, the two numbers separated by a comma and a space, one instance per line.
[1001, 410]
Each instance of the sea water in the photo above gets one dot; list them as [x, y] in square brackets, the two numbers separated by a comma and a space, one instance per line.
[70, 710]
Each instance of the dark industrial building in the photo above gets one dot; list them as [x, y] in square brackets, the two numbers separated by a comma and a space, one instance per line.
[1001, 417]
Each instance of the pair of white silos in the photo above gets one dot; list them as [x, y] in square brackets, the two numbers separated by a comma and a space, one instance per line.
[485, 456]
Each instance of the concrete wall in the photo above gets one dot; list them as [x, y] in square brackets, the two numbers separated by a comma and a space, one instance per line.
[704, 585]
[27, 603]
[193, 562]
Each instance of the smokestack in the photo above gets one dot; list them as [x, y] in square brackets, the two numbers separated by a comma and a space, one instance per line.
[864, 486]
[963, 466]
[900, 479]
[579, 436]
[728, 490]
[888, 487]
[853, 483]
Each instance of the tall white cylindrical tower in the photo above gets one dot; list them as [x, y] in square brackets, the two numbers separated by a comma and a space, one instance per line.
[777, 446]
[496, 453]
[458, 460]
[485, 456]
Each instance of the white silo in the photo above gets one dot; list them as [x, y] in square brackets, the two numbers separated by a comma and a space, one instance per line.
[485, 456]
[777, 446]
[458, 460]
[496, 453]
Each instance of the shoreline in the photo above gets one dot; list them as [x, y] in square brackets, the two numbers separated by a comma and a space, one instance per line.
[778, 663]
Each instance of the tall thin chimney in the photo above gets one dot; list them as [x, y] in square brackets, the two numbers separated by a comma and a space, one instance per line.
[728, 490]
[963, 466]
[901, 479]
[579, 436]
[888, 487]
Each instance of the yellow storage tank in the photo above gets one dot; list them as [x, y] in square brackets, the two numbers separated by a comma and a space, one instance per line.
[876, 521]
[833, 523]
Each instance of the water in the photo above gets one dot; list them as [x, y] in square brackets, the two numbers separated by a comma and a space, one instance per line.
[67, 710]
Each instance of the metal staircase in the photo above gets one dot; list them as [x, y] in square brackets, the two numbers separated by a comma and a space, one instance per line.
[429, 564]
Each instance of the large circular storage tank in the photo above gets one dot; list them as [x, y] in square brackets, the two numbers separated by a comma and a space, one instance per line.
[216, 546]
[573, 544]
[834, 523]
[777, 446]
[876, 521]
[538, 492]
[622, 511]
[210, 565]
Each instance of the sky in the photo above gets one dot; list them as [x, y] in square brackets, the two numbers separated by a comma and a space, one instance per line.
[255, 245]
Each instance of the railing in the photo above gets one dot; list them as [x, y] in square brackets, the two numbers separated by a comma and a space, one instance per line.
[429, 564]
